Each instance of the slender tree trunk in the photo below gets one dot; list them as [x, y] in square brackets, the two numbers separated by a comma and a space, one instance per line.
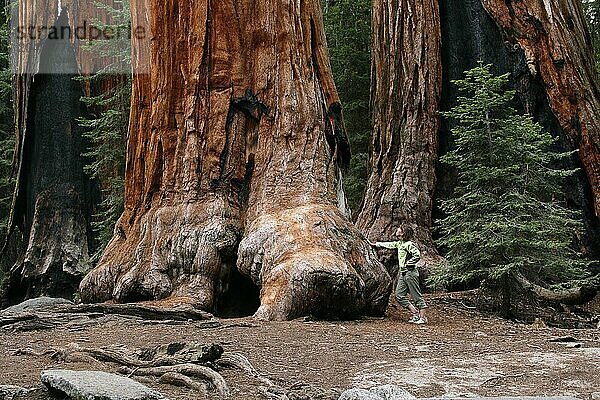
[236, 135]
[54, 199]
[406, 90]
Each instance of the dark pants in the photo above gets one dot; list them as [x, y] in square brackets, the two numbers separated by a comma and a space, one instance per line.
[409, 282]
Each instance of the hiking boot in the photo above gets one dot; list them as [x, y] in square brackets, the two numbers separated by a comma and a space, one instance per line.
[414, 319]
[420, 321]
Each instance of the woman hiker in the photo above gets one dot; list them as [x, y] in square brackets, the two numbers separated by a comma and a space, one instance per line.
[408, 274]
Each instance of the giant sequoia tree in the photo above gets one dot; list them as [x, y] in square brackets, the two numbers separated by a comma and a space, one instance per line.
[236, 144]
[546, 47]
[406, 88]
[233, 168]
[557, 46]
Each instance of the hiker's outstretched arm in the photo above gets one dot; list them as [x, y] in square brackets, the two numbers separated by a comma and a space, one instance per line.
[387, 245]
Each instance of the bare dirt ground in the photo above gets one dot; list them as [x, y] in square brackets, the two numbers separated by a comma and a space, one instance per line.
[460, 353]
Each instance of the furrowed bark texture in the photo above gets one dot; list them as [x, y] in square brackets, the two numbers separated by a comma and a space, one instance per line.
[185, 167]
[53, 199]
[546, 47]
[298, 245]
[406, 90]
[237, 135]
[557, 46]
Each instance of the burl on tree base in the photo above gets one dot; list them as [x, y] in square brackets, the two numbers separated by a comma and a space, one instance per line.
[234, 156]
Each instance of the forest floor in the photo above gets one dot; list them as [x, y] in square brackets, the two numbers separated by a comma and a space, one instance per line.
[460, 353]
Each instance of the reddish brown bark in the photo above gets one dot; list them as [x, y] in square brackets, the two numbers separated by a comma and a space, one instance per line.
[181, 219]
[406, 89]
[236, 132]
[557, 46]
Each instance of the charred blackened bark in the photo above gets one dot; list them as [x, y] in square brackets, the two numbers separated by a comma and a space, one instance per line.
[406, 89]
[235, 147]
[53, 202]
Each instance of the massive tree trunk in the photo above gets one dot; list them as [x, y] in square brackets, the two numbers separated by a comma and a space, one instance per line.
[53, 201]
[233, 164]
[406, 89]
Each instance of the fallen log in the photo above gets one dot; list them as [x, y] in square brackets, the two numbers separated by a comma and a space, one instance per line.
[572, 296]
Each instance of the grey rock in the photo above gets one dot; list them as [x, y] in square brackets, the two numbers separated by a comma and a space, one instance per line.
[359, 394]
[37, 304]
[10, 392]
[97, 385]
[392, 392]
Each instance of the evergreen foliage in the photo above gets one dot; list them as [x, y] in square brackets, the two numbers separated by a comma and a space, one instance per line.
[348, 30]
[106, 130]
[7, 135]
[507, 214]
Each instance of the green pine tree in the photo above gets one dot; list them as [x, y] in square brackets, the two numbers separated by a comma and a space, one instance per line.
[508, 213]
[106, 130]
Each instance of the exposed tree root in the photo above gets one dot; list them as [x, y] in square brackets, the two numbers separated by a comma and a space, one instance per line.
[567, 296]
[191, 365]
[215, 380]
[237, 360]
[80, 316]
[146, 311]
[175, 363]
[13, 319]
[168, 355]
[176, 379]
[108, 355]
[32, 322]
[240, 362]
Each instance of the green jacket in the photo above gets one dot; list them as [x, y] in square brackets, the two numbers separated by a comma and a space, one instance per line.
[408, 253]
